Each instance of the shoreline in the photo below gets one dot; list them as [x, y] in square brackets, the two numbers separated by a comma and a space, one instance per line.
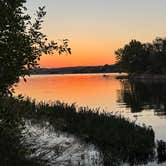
[144, 77]
[79, 73]
[123, 142]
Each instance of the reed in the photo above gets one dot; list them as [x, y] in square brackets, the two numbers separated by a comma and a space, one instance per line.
[119, 139]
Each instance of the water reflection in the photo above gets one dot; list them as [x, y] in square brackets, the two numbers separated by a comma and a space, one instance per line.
[133, 100]
[141, 101]
[58, 148]
[144, 95]
[92, 90]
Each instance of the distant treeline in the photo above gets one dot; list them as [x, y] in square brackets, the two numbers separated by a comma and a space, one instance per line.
[143, 58]
[76, 70]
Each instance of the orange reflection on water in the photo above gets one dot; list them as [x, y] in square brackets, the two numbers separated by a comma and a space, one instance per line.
[92, 90]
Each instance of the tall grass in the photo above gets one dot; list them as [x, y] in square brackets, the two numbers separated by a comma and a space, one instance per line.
[119, 139]
[12, 150]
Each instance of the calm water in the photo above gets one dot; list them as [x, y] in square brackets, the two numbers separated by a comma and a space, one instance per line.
[58, 148]
[143, 102]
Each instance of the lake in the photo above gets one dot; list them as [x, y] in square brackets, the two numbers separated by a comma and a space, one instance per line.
[143, 101]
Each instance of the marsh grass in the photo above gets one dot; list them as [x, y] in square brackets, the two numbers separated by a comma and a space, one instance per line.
[12, 150]
[119, 139]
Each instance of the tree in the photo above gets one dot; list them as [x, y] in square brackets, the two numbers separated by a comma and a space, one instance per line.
[132, 57]
[138, 58]
[157, 56]
[21, 42]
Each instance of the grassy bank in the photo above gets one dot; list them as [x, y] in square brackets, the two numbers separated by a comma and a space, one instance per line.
[117, 138]
[12, 150]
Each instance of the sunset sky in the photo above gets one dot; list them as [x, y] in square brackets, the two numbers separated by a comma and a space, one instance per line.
[96, 28]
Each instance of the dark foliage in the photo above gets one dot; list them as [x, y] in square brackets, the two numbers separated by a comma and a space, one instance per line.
[119, 139]
[21, 45]
[22, 42]
[12, 150]
[161, 151]
[138, 58]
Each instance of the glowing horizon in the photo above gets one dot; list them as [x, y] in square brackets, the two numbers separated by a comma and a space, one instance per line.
[97, 28]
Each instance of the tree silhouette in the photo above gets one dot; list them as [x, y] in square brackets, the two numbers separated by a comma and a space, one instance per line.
[138, 58]
[132, 57]
[22, 42]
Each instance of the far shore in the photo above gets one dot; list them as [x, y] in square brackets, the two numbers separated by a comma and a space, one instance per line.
[77, 70]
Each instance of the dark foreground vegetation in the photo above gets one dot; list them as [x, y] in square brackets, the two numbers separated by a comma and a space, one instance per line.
[22, 42]
[12, 149]
[118, 139]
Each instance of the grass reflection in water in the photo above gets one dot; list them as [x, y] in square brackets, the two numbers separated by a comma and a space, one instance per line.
[117, 138]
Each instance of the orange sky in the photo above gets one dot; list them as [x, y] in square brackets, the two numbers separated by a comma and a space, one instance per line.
[96, 28]
[93, 54]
